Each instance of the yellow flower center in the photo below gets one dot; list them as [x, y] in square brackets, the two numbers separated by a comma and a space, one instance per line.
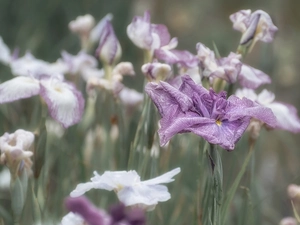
[218, 122]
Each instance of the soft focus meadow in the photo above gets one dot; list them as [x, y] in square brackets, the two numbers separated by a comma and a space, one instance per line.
[149, 112]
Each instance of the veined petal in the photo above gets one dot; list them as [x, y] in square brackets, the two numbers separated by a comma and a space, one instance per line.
[18, 88]
[64, 101]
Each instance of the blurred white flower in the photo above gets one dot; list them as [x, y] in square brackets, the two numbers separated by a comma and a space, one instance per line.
[28, 65]
[293, 191]
[82, 25]
[288, 221]
[129, 188]
[15, 150]
[254, 26]
[72, 219]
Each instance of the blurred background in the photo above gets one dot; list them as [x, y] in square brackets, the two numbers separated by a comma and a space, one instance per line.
[41, 27]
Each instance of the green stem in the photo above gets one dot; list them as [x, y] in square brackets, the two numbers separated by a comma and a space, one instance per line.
[235, 184]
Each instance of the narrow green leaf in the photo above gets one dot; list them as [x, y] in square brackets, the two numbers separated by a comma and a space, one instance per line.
[233, 188]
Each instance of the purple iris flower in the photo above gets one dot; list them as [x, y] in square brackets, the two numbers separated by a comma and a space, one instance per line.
[192, 108]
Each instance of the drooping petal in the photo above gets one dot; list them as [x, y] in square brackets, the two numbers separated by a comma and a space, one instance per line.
[286, 116]
[164, 178]
[246, 107]
[65, 102]
[18, 88]
[82, 188]
[252, 78]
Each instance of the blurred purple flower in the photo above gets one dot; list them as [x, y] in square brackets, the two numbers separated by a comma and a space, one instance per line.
[254, 26]
[109, 49]
[192, 108]
[83, 207]
[146, 35]
[230, 68]
[227, 68]
[84, 212]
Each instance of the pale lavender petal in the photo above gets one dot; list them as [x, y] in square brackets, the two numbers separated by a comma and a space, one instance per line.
[240, 20]
[139, 31]
[252, 78]
[18, 88]
[162, 32]
[78, 63]
[286, 116]
[130, 97]
[183, 58]
[109, 49]
[65, 102]
[265, 30]
[97, 30]
[229, 68]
